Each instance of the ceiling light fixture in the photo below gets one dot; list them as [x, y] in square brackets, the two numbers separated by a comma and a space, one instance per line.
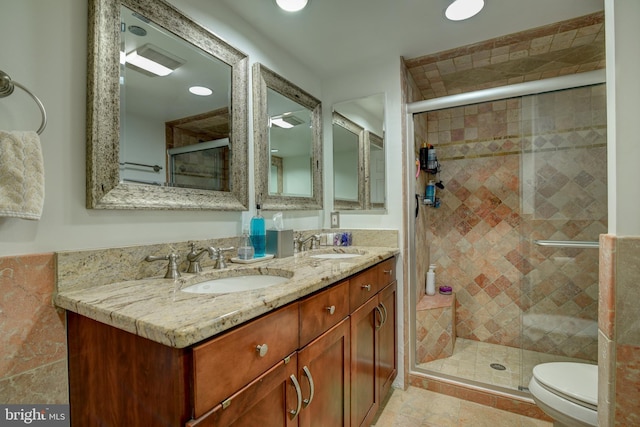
[292, 5]
[153, 61]
[147, 64]
[281, 123]
[460, 10]
[200, 90]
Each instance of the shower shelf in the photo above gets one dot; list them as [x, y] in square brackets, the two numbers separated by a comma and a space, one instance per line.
[567, 244]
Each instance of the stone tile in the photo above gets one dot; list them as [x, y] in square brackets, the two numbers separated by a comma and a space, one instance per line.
[46, 384]
[32, 329]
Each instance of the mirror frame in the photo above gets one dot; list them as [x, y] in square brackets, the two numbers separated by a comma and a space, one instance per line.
[342, 121]
[104, 189]
[369, 139]
[264, 78]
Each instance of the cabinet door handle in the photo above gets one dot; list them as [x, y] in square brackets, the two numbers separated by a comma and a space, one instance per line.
[366, 287]
[389, 272]
[331, 309]
[307, 374]
[384, 312]
[292, 412]
[379, 311]
[262, 349]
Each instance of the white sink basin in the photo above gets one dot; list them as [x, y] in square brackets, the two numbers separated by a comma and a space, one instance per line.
[335, 256]
[225, 285]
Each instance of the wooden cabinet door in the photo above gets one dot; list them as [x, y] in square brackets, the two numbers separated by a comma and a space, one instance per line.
[323, 366]
[387, 340]
[271, 400]
[364, 376]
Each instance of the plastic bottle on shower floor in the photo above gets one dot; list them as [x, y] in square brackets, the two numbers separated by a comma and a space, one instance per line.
[431, 280]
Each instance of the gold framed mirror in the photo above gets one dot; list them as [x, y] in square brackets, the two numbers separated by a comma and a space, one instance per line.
[109, 120]
[287, 143]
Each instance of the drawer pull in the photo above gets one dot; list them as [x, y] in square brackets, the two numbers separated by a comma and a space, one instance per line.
[389, 272]
[331, 309]
[366, 287]
[262, 349]
[294, 412]
[307, 374]
[379, 311]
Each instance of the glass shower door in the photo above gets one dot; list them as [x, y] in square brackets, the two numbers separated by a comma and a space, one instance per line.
[564, 210]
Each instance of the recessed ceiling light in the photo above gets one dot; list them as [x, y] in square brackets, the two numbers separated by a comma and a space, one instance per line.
[200, 90]
[292, 5]
[460, 10]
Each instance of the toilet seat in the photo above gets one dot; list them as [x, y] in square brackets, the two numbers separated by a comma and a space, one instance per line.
[577, 382]
[566, 391]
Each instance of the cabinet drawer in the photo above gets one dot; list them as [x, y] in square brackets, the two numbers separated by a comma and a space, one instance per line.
[265, 401]
[362, 286]
[386, 272]
[224, 364]
[322, 311]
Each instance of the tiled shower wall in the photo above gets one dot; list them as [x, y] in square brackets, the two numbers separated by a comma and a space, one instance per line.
[517, 170]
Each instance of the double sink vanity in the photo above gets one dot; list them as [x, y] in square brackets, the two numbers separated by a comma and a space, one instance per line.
[303, 340]
[311, 340]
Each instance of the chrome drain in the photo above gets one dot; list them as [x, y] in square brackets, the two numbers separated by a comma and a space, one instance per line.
[498, 367]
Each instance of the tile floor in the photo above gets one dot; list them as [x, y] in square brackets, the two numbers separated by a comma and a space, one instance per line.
[416, 407]
[471, 360]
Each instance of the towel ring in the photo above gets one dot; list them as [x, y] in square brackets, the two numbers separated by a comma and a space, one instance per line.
[6, 89]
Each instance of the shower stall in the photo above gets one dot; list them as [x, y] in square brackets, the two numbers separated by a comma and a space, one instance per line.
[516, 233]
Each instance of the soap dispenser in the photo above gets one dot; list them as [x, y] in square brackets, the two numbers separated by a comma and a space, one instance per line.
[258, 232]
[245, 251]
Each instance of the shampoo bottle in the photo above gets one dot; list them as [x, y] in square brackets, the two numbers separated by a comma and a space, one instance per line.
[430, 194]
[258, 233]
[431, 280]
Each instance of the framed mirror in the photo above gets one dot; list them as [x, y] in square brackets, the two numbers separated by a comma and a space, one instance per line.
[287, 143]
[151, 144]
[366, 114]
[375, 167]
[348, 163]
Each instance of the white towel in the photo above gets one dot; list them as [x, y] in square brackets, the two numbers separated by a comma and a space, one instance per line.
[21, 175]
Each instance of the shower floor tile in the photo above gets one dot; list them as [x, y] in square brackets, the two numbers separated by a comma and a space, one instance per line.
[471, 360]
[416, 407]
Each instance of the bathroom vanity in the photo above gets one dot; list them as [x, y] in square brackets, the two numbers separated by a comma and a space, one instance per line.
[319, 349]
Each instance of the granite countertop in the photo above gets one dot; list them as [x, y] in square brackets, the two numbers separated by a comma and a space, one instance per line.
[157, 309]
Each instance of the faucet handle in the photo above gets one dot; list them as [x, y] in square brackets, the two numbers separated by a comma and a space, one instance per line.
[172, 268]
[220, 261]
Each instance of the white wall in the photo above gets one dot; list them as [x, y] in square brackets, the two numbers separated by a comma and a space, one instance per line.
[44, 47]
[623, 92]
[370, 79]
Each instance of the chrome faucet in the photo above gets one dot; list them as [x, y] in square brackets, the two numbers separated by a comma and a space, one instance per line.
[299, 242]
[172, 268]
[194, 258]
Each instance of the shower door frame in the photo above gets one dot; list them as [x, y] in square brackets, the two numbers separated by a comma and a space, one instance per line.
[486, 95]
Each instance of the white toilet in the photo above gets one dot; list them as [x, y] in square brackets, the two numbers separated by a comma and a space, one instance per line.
[567, 392]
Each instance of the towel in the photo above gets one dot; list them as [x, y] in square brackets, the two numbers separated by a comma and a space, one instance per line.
[21, 175]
